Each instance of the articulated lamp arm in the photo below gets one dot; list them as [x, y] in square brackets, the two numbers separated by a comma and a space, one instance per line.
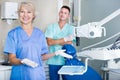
[95, 29]
[110, 17]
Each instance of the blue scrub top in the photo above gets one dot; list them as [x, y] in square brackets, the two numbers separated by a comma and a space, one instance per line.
[53, 31]
[24, 46]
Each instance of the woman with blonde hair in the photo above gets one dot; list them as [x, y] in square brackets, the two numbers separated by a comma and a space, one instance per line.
[26, 43]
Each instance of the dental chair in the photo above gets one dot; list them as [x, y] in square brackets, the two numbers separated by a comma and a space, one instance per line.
[87, 73]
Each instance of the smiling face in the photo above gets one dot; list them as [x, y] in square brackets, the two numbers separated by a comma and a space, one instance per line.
[26, 13]
[64, 14]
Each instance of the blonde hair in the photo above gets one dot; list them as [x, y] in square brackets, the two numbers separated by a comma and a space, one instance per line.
[29, 6]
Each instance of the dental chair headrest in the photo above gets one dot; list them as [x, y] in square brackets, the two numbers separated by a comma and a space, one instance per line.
[69, 49]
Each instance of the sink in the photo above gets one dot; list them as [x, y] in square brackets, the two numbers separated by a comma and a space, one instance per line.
[6, 64]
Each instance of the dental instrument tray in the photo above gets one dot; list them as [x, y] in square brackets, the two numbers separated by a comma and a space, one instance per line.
[100, 54]
[72, 70]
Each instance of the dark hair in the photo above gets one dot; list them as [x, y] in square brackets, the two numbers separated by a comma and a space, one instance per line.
[66, 7]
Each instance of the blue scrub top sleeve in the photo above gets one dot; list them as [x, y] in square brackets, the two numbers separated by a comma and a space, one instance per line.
[10, 46]
[44, 45]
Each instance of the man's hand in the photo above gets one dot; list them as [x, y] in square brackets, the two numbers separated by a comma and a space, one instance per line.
[69, 38]
[62, 53]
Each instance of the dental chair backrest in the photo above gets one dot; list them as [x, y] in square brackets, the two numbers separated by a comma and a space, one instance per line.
[71, 51]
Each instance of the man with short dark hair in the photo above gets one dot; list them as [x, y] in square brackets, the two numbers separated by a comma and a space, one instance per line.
[57, 35]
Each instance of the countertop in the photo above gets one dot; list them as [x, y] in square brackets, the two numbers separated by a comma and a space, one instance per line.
[2, 67]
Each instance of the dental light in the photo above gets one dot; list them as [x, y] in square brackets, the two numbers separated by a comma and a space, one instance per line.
[94, 29]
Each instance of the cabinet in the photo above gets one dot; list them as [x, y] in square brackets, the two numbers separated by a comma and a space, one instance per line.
[2, 75]
[5, 72]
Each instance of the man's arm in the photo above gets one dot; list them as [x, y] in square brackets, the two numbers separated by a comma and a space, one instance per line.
[61, 41]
